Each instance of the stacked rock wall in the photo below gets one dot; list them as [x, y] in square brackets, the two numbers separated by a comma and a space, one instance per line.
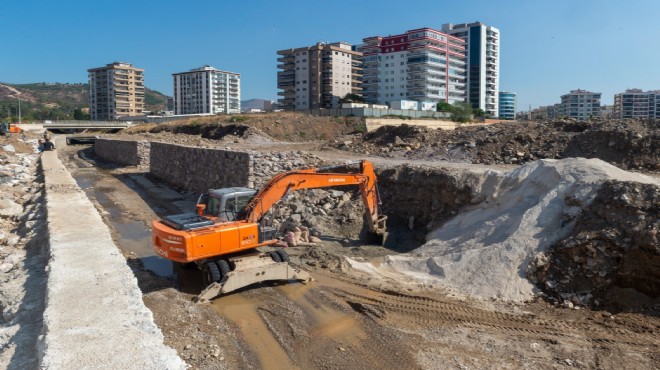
[126, 152]
[200, 169]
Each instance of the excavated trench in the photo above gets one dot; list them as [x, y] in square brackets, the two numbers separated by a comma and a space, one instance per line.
[335, 320]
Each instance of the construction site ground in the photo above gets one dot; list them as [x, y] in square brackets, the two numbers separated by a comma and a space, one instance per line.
[344, 319]
[347, 318]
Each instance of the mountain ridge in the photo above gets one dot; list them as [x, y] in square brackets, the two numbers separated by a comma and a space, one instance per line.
[57, 100]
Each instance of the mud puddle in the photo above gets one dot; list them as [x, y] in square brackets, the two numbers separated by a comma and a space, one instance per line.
[242, 312]
[324, 322]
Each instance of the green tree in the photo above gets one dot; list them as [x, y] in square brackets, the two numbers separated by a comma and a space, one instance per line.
[479, 113]
[444, 107]
[461, 112]
[79, 115]
[351, 98]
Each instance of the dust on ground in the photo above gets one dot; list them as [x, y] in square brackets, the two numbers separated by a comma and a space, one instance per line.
[350, 319]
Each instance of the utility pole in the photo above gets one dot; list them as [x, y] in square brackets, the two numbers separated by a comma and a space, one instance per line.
[19, 109]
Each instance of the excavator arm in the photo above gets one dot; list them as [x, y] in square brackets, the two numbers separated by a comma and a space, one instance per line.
[322, 177]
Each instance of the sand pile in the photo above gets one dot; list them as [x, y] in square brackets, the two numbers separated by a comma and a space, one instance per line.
[485, 251]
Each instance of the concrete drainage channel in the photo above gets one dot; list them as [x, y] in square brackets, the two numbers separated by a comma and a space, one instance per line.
[94, 314]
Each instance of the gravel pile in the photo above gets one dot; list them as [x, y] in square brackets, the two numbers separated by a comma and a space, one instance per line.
[612, 257]
[531, 212]
[23, 255]
[629, 144]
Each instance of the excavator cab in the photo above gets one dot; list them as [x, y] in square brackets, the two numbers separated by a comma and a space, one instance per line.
[224, 204]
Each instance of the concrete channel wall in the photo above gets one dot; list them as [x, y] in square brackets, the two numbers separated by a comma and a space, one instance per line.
[94, 316]
[200, 169]
[126, 152]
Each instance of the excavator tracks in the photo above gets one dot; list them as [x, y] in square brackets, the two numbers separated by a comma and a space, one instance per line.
[409, 311]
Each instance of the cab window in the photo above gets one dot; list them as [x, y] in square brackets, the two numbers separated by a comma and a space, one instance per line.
[212, 206]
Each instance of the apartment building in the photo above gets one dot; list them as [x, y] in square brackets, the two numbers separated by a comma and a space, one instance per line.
[422, 65]
[318, 76]
[207, 90]
[482, 45]
[507, 102]
[580, 104]
[635, 103]
[115, 91]
[546, 112]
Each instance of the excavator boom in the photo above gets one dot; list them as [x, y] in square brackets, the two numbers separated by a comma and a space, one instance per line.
[314, 178]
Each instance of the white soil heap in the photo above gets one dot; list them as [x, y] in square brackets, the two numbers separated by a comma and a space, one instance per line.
[484, 251]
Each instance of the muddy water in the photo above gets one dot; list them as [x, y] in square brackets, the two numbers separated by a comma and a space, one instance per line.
[327, 322]
[132, 236]
[242, 312]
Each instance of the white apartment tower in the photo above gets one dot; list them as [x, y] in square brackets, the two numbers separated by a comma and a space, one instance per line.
[207, 90]
[580, 104]
[635, 103]
[318, 76]
[482, 45]
[423, 65]
[115, 91]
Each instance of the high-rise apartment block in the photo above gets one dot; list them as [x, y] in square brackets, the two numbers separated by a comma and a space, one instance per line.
[482, 43]
[507, 101]
[635, 103]
[318, 76]
[423, 65]
[580, 104]
[207, 90]
[115, 91]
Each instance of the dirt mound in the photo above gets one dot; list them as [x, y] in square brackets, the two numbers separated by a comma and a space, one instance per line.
[484, 251]
[629, 144]
[285, 126]
[212, 131]
[613, 253]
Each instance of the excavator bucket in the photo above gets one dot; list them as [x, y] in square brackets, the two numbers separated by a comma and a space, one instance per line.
[250, 270]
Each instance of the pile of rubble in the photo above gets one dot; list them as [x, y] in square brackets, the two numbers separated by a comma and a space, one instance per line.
[628, 144]
[23, 254]
[575, 226]
[328, 212]
[612, 256]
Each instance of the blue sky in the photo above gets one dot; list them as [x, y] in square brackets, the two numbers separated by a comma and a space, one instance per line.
[548, 47]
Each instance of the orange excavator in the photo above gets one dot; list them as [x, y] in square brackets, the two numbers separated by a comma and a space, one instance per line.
[222, 236]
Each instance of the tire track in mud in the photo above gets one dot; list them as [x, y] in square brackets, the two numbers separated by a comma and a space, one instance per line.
[316, 331]
[400, 310]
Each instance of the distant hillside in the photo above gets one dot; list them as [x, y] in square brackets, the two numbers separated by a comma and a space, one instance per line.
[246, 105]
[42, 101]
[154, 101]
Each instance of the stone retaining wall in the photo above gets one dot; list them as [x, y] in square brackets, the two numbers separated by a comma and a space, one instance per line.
[126, 152]
[200, 169]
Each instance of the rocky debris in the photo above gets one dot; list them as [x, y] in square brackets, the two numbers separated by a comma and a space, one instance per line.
[484, 250]
[253, 128]
[333, 212]
[317, 257]
[23, 257]
[268, 164]
[612, 257]
[629, 144]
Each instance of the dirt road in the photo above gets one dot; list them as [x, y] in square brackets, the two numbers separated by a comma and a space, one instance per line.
[346, 320]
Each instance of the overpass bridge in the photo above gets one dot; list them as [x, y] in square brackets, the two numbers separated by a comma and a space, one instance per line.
[86, 125]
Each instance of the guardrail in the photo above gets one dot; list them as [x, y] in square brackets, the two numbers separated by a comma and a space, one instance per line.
[63, 125]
